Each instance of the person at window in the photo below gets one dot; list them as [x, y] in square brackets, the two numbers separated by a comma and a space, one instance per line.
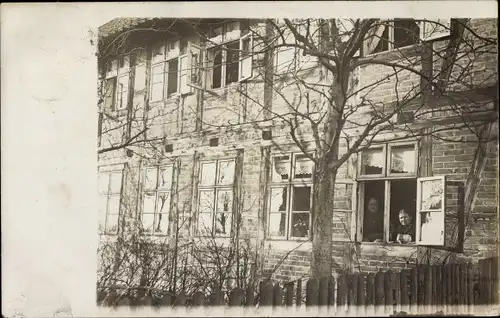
[405, 230]
[373, 222]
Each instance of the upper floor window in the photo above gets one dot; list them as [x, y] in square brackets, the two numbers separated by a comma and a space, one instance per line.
[290, 197]
[165, 70]
[156, 200]
[229, 55]
[116, 86]
[215, 197]
[110, 183]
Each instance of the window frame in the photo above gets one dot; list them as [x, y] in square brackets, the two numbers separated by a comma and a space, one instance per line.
[387, 178]
[157, 191]
[419, 211]
[290, 185]
[221, 42]
[215, 189]
[115, 71]
[390, 36]
[109, 194]
[168, 56]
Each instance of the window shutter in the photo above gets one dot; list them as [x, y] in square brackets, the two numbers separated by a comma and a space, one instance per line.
[430, 218]
[246, 57]
[433, 30]
[184, 74]
[373, 37]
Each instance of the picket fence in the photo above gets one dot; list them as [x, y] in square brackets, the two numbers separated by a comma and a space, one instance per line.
[435, 287]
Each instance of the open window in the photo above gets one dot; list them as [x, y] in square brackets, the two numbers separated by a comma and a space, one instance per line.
[166, 66]
[390, 35]
[434, 30]
[116, 86]
[228, 55]
[110, 184]
[431, 210]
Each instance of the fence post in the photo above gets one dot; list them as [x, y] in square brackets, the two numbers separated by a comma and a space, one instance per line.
[166, 300]
[323, 291]
[289, 294]
[237, 297]
[361, 295]
[198, 299]
[370, 294]
[421, 286]
[341, 292]
[298, 295]
[449, 286]
[180, 300]
[403, 283]
[494, 279]
[331, 292]
[396, 287]
[463, 288]
[250, 296]
[379, 293]
[428, 287]
[414, 290]
[277, 295]
[488, 281]
[266, 294]
[352, 295]
[388, 293]
[312, 294]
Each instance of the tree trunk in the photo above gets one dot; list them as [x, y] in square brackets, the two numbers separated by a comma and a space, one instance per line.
[323, 195]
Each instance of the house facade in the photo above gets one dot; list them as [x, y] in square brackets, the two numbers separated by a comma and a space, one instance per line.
[194, 144]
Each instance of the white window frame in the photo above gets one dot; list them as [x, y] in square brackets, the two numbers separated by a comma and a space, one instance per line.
[109, 193]
[216, 188]
[115, 72]
[387, 178]
[440, 218]
[221, 42]
[168, 56]
[390, 35]
[352, 211]
[290, 184]
[156, 191]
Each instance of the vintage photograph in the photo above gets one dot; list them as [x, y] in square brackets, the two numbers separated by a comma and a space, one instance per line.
[294, 163]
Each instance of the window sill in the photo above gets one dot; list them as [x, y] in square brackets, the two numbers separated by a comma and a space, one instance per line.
[288, 245]
[388, 249]
[394, 54]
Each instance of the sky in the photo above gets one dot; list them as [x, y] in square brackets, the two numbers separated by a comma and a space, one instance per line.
[49, 124]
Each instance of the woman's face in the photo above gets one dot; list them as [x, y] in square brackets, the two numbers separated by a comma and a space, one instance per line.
[373, 205]
[404, 218]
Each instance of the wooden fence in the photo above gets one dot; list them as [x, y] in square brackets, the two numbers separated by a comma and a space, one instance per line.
[460, 286]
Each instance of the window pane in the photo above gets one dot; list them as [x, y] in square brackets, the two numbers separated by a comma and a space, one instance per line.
[223, 223]
[147, 222]
[300, 224]
[343, 197]
[403, 198]
[232, 65]
[103, 202]
[112, 226]
[206, 201]
[163, 202]
[149, 203]
[285, 60]
[208, 173]
[281, 168]
[161, 223]
[403, 159]
[226, 172]
[277, 224]
[372, 161]
[114, 204]
[303, 167]
[158, 52]
[373, 218]
[116, 182]
[383, 43]
[432, 192]
[224, 200]
[103, 182]
[204, 223]
[279, 199]
[432, 226]
[406, 32]
[217, 69]
[165, 177]
[157, 73]
[157, 91]
[150, 179]
[301, 198]
[173, 68]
